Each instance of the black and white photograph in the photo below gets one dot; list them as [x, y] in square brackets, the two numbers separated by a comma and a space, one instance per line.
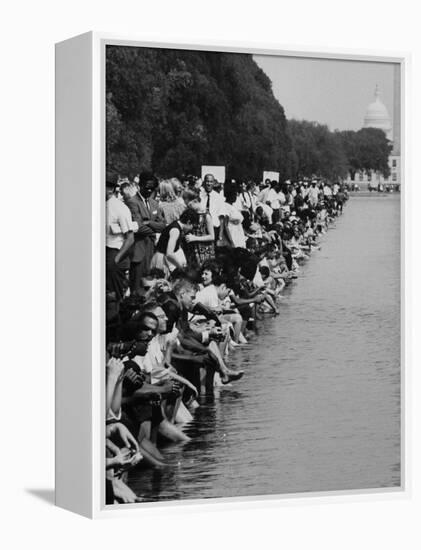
[253, 274]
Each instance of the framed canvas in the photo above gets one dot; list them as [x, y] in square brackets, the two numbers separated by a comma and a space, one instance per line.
[222, 336]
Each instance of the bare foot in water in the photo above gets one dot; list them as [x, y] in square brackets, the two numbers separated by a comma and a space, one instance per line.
[123, 493]
[231, 376]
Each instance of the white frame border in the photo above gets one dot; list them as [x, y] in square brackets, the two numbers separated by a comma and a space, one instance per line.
[97, 464]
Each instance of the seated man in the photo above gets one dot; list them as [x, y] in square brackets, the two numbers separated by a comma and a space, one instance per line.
[157, 362]
[122, 450]
[198, 348]
[141, 400]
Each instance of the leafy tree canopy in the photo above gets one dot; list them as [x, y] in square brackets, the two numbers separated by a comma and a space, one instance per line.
[173, 110]
[367, 149]
[317, 150]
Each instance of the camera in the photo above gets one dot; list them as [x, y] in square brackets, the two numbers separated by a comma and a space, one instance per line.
[127, 349]
[218, 336]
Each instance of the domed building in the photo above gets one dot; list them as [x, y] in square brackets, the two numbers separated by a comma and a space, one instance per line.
[377, 116]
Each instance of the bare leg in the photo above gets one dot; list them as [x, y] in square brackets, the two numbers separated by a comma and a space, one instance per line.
[271, 302]
[183, 415]
[150, 453]
[172, 432]
[236, 320]
[225, 372]
[123, 493]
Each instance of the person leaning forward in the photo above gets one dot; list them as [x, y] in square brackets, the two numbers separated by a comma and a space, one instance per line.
[150, 220]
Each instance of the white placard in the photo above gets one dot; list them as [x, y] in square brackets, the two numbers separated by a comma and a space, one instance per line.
[271, 175]
[218, 172]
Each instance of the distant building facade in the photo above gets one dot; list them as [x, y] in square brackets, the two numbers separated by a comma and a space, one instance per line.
[377, 116]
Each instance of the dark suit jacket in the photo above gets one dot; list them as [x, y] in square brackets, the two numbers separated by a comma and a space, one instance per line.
[189, 339]
[143, 247]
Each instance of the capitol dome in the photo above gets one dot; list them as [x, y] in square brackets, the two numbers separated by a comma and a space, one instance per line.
[377, 116]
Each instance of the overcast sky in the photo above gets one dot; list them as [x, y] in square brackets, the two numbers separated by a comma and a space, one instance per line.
[331, 92]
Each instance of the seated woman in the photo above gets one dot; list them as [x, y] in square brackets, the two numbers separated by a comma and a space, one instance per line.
[271, 286]
[169, 255]
[278, 269]
[296, 245]
[253, 288]
[208, 296]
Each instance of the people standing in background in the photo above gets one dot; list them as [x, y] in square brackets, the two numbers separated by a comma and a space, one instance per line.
[150, 220]
[178, 190]
[327, 190]
[199, 244]
[288, 202]
[218, 187]
[272, 199]
[233, 232]
[169, 255]
[119, 240]
[281, 197]
[169, 203]
[264, 191]
[313, 194]
[212, 202]
[246, 204]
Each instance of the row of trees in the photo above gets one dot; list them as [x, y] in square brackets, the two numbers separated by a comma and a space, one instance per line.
[318, 151]
[171, 111]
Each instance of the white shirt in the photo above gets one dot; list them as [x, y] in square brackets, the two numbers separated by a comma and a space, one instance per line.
[208, 296]
[313, 195]
[245, 201]
[303, 190]
[273, 198]
[235, 219]
[281, 198]
[153, 361]
[258, 281]
[263, 194]
[119, 222]
[216, 205]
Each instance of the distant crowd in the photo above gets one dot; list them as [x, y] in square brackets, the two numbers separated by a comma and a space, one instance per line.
[191, 266]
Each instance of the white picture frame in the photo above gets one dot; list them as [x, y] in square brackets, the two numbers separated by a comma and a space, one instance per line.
[80, 275]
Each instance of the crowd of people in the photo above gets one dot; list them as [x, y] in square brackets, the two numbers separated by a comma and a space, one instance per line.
[191, 267]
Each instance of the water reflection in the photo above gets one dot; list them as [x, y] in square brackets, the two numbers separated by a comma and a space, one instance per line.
[319, 407]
